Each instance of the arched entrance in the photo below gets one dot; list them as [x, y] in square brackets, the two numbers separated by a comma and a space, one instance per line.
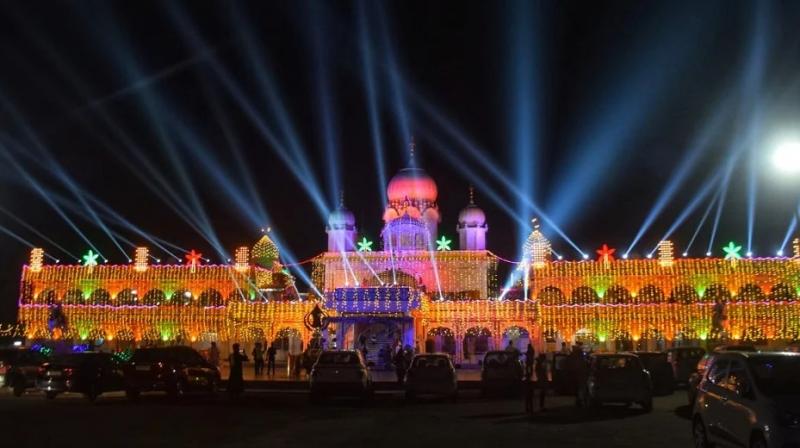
[287, 340]
[517, 336]
[477, 341]
[440, 340]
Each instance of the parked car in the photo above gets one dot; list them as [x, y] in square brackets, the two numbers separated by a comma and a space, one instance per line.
[501, 371]
[431, 374]
[18, 368]
[340, 373]
[661, 373]
[88, 373]
[749, 399]
[620, 378]
[735, 348]
[696, 377]
[684, 361]
[175, 370]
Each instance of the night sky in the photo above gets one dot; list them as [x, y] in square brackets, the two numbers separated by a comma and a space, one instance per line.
[111, 101]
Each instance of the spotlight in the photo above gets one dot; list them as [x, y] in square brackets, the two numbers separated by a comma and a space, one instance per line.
[158, 260]
[625, 256]
[685, 254]
[560, 257]
[585, 256]
[58, 261]
[749, 254]
[649, 255]
[780, 253]
[187, 294]
[786, 157]
[708, 254]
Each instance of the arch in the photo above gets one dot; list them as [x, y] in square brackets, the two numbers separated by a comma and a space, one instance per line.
[100, 297]
[476, 342]
[73, 297]
[210, 297]
[750, 293]
[717, 292]
[781, 292]
[550, 295]
[47, 297]
[684, 294]
[440, 339]
[617, 294]
[650, 294]
[26, 292]
[583, 295]
[127, 297]
[239, 295]
[517, 336]
[181, 297]
[154, 297]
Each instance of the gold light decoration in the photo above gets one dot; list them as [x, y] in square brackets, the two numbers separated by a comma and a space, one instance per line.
[37, 259]
[242, 258]
[140, 259]
[537, 247]
[666, 255]
[796, 249]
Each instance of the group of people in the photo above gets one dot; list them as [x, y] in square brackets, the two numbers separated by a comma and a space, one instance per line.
[258, 359]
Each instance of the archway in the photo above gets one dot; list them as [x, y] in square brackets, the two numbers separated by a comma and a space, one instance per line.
[153, 297]
[287, 340]
[583, 295]
[550, 295]
[518, 336]
[441, 340]
[782, 292]
[127, 297]
[210, 297]
[717, 292]
[650, 294]
[100, 297]
[586, 338]
[750, 293]
[477, 341]
[73, 297]
[618, 295]
[684, 294]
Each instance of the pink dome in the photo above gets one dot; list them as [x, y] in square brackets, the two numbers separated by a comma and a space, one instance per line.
[412, 183]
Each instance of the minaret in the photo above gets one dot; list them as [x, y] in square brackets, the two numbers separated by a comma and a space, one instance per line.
[472, 226]
[341, 229]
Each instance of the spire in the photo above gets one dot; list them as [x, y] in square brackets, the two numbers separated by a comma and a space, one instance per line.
[341, 198]
[471, 195]
[412, 146]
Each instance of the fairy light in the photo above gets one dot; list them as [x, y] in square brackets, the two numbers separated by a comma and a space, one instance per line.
[37, 259]
[537, 247]
[666, 255]
[242, 258]
[140, 259]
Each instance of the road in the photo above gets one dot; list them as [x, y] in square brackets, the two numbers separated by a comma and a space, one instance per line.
[286, 418]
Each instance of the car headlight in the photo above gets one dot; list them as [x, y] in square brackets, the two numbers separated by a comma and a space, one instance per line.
[789, 419]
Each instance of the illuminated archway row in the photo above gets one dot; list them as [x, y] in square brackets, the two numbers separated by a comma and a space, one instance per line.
[684, 293]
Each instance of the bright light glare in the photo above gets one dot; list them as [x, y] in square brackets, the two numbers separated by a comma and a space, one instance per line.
[786, 157]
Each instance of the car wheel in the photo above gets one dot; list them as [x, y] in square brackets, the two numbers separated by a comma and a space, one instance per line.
[757, 441]
[50, 395]
[132, 394]
[699, 434]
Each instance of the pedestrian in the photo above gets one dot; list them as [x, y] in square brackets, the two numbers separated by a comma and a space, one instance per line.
[541, 378]
[528, 394]
[271, 359]
[213, 354]
[258, 359]
[530, 356]
[400, 365]
[236, 378]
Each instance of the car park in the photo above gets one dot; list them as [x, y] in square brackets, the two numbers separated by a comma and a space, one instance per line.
[501, 371]
[19, 367]
[175, 370]
[87, 373]
[684, 361]
[749, 399]
[431, 374]
[617, 378]
[340, 373]
[661, 373]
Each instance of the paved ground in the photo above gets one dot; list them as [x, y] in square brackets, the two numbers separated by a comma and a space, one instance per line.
[285, 418]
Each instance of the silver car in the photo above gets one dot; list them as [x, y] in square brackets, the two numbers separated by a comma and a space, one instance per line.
[749, 399]
[340, 373]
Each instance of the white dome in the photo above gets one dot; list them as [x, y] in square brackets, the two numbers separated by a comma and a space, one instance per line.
[341, 217]
[472, 215]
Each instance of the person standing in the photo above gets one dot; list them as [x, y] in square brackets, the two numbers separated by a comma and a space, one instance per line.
[541, 378]
[400, 365]
[271, 359]
[530, 356]
[213, 354]
[236, 378]
[258, 359]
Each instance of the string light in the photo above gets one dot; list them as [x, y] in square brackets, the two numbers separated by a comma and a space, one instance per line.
[37, 259]
[140, 263]
[242, 258]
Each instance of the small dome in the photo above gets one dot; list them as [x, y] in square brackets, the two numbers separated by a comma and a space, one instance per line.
[472, 215]
[341, 217]
[413, 184]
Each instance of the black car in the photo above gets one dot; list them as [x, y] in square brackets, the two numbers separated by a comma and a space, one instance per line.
[661, 373]
[175, 370]
[19, 367]
[501, 371]
[617, 378]
[684, 361]
[88, 373]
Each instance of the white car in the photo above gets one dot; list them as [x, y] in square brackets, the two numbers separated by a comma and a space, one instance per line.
[340, 373]
[749, 399]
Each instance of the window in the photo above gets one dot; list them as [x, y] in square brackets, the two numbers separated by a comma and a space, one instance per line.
[737, 378]
[718, 370]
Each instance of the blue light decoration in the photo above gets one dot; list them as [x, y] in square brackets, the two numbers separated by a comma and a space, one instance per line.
[373, 300]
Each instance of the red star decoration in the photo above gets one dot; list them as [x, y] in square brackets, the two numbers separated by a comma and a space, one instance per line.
[606, 254]
[193, 258]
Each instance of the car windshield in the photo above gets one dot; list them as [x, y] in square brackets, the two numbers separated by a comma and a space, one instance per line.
[616, 362]
[499, 358]
[776, 375]
[430, 362]
[339, 358]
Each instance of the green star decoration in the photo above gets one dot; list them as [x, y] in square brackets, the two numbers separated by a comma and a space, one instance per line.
[365, 245]
[443, 243]
[90, 259]
[732, 251]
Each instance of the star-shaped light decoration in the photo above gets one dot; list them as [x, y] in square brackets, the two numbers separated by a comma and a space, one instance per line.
[605, 254]
[90, 259]
[365, 245]
[193, 259]
[443, 243]
[732, 252]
